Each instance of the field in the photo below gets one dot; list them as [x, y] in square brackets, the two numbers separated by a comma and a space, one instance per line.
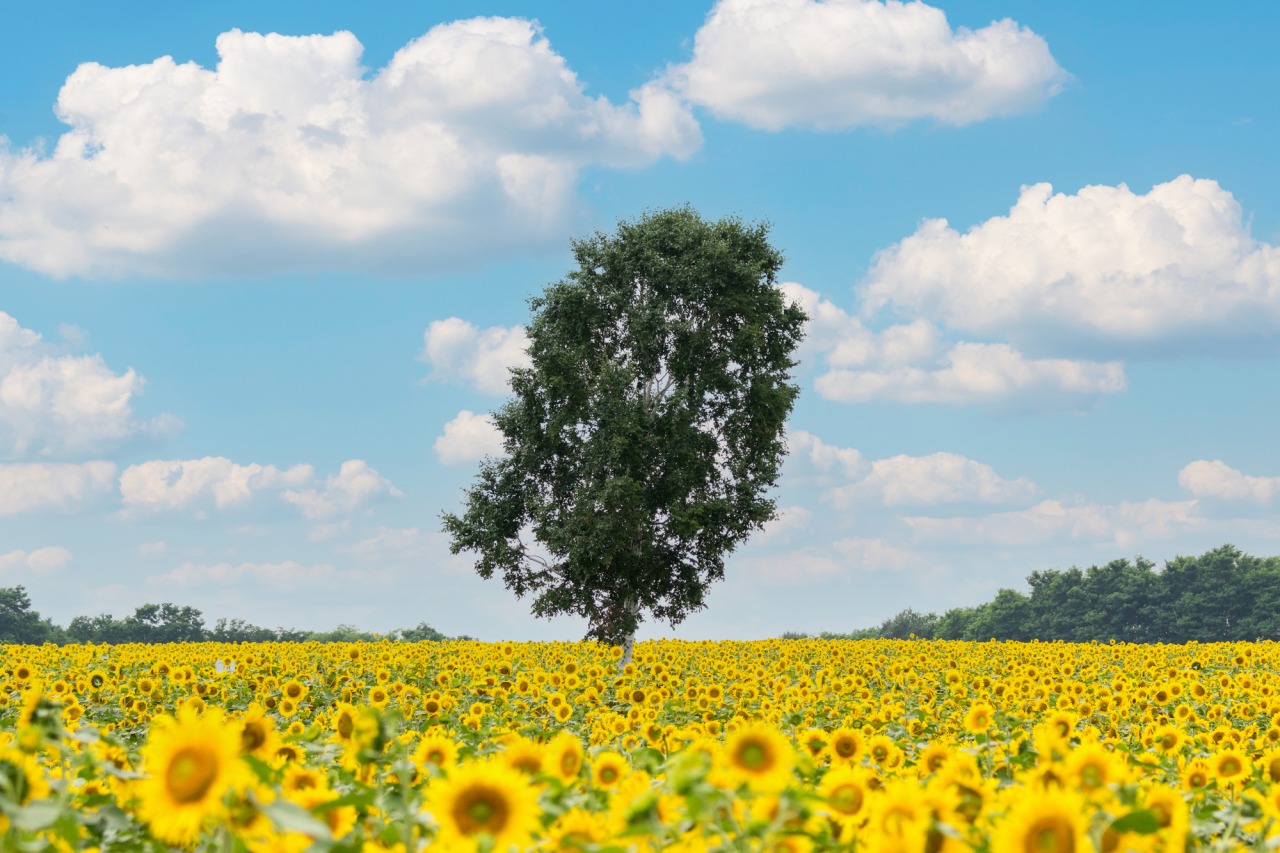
[774, 745]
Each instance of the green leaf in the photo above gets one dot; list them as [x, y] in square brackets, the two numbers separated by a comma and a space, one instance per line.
[292, 817]
[1141, 821]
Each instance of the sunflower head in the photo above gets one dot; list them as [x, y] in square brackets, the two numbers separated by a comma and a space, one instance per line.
[483, 805]
[759, 755]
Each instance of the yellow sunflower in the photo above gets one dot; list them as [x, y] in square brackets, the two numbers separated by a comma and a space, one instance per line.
[844, 746]
[564, 757]
[21, 778]
[1042, 824]
[759, 755]
[483, 804]
[979, 718]
[1230, 765]
[191, 762]
[609, 768]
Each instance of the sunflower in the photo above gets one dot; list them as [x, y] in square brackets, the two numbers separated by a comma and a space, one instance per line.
[1092, 767]
[192, 761]
[436, 749]
[1196, 774]
[524, 755]
[483, 804]
[1230, 765]
[884, 752]
[760, 756]
[845, 745]
[258, 735]
[979, 718]
[1041, 824]
[293, 689]
[846, 789]
[564, 757]
[609, 768]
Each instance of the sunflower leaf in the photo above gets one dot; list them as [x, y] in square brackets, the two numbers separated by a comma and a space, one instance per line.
[294, 818]
[1141, 821]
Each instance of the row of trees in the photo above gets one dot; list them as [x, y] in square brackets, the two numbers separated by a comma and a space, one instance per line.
[168, 623]
[1222, 595]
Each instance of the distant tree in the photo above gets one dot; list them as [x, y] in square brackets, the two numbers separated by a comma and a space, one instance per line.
[239, 631]
[641, 443]
[420, 633]
[21, 625]
[165, 623]
[908, 623]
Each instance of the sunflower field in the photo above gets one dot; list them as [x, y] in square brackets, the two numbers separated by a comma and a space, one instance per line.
[772, 746]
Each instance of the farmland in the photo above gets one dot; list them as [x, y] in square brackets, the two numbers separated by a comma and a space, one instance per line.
[772, 745]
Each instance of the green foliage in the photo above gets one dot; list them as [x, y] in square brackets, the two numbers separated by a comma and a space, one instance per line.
[1222, 595]
[172, 623]
[20, 624]
[640, 444]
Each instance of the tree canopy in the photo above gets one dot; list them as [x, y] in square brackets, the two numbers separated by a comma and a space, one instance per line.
[640, 444]
[1221, 595]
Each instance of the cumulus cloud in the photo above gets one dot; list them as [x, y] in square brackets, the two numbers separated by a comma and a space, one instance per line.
[459, 351]
[153, 549]
[175, 484]
[468, 438]
[1106, 263]
[1051, 521]
[466, 145]
[42, 561]
[354, 486]
[913, 363]
[778, 63]
[1217, 479]
[57, 404]
[939, 478]
[33, 487]
[847, 478]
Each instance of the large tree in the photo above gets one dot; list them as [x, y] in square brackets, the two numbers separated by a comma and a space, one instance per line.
[640, 445]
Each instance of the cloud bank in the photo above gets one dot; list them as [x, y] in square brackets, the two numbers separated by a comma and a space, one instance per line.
[466, 145]
[802, 63]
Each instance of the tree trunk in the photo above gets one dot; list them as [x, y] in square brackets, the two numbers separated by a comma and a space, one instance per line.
[631, 608]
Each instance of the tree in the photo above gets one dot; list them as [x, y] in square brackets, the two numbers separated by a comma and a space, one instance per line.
[19, 624]
[640, 444]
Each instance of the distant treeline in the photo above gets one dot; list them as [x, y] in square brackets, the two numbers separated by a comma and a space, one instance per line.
[170, 623]
[1222, 595]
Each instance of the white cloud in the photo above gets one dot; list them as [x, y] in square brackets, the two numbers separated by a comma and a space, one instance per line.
[912, 363]
[175, 484]
[31, 487]
[874, 554]
[1216, 479]
[787, 520]
[793, 568]
[1106, 263]
[979, 373]
[939, 478]
[778, 63]
[42, 561]
[391, 543]
[286, 575]
[153, 549]
[466, 145]
[847, 478]
[810, 456]
[468, 438]
[457, 350]
[355, 485]
[52, 404]
[1051, 521]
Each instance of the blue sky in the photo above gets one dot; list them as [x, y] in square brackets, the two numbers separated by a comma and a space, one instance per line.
[263, 267]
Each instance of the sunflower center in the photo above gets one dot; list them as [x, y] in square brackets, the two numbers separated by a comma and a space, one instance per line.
[847, 799]
[1049, 835]
[191, 774]
[755, 756]
[569, 763]
[608, 775]
[252, 736]
[346, 725]
[845, 747]
[1230, 766]
[481, 809]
